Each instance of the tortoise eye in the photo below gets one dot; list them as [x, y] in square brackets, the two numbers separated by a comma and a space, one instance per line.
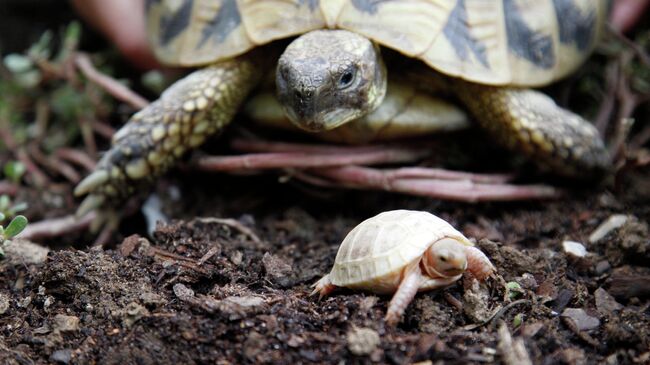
[347, 78]
[443, 258]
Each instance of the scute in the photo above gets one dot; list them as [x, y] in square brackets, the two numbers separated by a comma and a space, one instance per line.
[515, 42]
[197, 32]
[384, 244]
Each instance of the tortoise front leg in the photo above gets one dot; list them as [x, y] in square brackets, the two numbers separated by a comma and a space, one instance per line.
[187, 113]
[528, 121]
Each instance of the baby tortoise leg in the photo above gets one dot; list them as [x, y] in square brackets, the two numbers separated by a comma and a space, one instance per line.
[323, 287]
[187, 113]
[478, 264]
[530, 122]
[412, 278]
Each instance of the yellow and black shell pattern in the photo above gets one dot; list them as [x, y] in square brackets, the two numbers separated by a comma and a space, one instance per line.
[496, 42]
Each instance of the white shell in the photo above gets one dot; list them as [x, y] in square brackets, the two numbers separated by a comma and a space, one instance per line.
[376, 251]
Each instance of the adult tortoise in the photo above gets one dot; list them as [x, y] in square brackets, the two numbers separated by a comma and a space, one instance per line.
[483, 52]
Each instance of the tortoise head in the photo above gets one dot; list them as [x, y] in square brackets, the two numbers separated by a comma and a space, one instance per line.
[326, 78]
[445, 258]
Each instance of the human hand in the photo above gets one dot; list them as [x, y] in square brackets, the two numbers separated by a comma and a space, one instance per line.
[123, 23]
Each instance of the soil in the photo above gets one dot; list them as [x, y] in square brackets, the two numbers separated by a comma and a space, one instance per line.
[199, 291]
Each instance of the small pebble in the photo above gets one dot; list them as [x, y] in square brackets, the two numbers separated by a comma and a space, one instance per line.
[61, 356]
[65, 323]
[4, 303]
[602, 267]
[475, 302]
[362, 341]
[583, 321]
[575, 249]
[605, 303]
[613, 222]
[182, 292]
[237, 307]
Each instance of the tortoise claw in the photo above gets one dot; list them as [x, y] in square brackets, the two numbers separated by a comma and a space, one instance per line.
[323, 287]
[89, 204]
[91, 182]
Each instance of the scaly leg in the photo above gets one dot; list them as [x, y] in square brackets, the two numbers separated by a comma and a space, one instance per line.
[153, 140]
[408, 287]
[530, 122]
[478, 264]
[323, 287]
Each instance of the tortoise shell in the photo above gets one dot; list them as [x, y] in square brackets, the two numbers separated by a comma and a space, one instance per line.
[515, 42]
[380, 247]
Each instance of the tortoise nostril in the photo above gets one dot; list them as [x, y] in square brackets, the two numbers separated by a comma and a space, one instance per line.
[297, 94]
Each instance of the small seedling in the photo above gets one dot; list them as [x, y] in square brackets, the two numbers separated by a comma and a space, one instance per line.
[513, 290]
[16, 226]
[518, 320]
[14, 171]
[7, 209]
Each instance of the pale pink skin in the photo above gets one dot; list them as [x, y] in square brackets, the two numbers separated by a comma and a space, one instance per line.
[421, 276]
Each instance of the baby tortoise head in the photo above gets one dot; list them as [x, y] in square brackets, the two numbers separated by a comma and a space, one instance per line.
[326, 78]
[445, 258]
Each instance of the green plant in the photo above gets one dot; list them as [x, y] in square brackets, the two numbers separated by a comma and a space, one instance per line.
[513, 290]
[8, 209]
[16, 226]
[14, 171]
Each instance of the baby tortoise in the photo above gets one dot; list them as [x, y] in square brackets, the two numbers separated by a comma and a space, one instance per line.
[403, 252]
[484, 52]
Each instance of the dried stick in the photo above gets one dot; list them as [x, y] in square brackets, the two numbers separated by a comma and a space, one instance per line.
[112, 86]
[271, 160]
[232, 223]
[460, 190]
[56, 227]
[77, 157]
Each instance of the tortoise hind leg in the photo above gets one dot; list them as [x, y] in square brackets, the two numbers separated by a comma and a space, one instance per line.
[530, 122]
[323, 287]
[188, 112]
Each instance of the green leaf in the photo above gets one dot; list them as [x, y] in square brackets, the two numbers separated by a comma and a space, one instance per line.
[18, 207]
[516, 322]
[513, 289]
[16, 226]
[14, 170]
[17, 63]
[4, 202]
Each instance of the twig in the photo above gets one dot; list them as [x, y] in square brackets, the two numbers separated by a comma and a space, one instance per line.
[86, 127]
[38, 176]
[108, 83]
[178, 260]
[211, 252]
[273, 160]
[54, 164]
[232, 223]
[56, 227]
[77, 157]
[103, 129]
[638, 51]
[513, 351]
[460, 190]
[582, 335]
[604, 116]
[8, 188]
[453, 301]
[503, 310]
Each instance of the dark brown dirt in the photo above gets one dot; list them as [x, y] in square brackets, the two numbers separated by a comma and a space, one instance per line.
[201, 292]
